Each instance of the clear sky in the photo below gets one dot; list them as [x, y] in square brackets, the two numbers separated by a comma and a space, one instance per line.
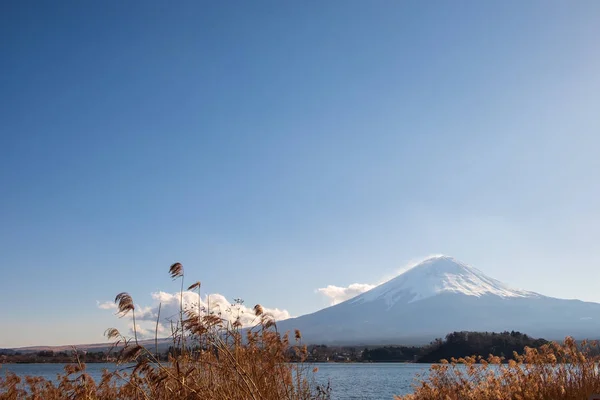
[275, 148]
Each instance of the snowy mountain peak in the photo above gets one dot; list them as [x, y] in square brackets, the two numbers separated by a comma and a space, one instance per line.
[437, 275]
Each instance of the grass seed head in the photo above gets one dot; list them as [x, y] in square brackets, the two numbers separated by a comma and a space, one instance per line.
[176, 270]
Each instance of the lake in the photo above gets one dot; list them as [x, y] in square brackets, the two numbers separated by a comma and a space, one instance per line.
[348, 381]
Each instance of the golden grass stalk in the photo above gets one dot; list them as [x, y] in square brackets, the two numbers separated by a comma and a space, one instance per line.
[125, 304]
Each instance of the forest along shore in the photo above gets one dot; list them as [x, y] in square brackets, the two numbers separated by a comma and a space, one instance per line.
[455, 345]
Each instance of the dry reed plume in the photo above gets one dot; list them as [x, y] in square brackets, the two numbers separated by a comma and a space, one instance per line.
[553, 372]
[212, 359]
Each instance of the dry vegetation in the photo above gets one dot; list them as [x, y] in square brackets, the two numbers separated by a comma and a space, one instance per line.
[552, 372]
[215, 359]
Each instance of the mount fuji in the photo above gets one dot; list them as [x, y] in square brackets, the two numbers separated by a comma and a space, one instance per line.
[441, 295]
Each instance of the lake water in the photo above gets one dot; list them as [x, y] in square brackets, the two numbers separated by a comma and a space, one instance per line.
[348, 381]
[369, 381]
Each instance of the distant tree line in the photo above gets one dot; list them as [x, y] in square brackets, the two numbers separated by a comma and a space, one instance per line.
[392, 354]
[455, 345]
[462, 344]
[48, 356]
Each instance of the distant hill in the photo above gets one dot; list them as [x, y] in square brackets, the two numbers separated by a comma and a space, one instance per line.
[163, 344]
[456, 345]
[463, 344]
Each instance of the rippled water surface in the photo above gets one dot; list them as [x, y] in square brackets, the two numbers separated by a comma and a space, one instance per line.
[348, 381]
[369, 381]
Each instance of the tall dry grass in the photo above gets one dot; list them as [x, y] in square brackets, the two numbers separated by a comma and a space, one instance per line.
[553, 372]
[213, 359]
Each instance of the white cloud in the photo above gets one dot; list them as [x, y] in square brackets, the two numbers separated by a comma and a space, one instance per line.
[337, 294]
[107, 305]
[169, 311]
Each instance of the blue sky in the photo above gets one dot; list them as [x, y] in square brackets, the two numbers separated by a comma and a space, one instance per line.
[277, 148]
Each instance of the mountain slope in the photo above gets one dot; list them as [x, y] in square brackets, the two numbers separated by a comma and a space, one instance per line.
[441, 295]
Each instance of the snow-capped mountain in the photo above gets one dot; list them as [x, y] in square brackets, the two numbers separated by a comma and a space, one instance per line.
[441, 295]
[437, 275]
